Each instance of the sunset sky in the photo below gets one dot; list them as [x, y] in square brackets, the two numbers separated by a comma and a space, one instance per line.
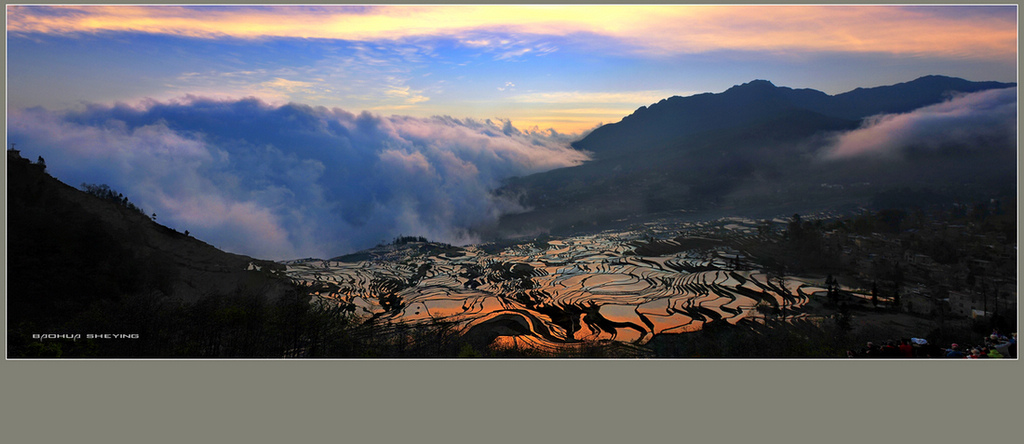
[286, 132]
[563, 67]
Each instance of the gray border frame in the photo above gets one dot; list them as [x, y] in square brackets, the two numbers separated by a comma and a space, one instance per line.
[473, 401]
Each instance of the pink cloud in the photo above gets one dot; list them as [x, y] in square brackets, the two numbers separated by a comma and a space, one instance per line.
[664, 29]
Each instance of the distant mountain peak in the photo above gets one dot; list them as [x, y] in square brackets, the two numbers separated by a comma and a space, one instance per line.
[753, 86]
[756, 83]
[672, 120]
[936, 77]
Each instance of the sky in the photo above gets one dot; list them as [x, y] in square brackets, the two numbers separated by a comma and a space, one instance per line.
[325, 129]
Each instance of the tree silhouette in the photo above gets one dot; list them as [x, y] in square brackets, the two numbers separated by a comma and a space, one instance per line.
[795, 231]
[832, 289]
[874, 294]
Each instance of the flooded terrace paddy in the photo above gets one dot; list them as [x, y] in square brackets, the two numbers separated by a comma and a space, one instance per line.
[555, 293]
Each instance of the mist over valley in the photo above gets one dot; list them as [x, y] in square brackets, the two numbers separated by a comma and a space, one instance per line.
[764, 213]
[319, 182]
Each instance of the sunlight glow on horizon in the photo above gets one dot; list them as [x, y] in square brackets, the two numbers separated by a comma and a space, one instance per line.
[652, 28]
[294, 124]
[566, 67]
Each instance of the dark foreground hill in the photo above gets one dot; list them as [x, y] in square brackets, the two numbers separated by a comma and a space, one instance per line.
[90, 276]
[81, 264]
[755, 150]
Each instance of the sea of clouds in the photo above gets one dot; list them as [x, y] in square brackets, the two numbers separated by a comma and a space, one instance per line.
[291, 181]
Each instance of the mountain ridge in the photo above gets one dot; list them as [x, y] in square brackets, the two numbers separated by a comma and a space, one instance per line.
[678, 116]
[755, 149]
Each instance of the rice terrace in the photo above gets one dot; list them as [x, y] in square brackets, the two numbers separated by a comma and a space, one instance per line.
[554, 294]
[511, 181]
[618, 290]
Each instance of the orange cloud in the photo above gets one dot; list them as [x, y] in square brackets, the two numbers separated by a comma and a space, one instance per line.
[653, 29]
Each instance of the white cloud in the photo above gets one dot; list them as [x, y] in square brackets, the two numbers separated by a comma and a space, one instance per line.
[291, 181]
[965, 122]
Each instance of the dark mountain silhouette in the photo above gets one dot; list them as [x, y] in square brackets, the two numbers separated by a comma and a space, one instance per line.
[78, 263]
[904, 97]
[677, 117]
[752, 150]
[760, 101]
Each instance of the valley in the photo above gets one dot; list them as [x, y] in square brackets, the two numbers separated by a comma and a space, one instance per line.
[552, 294]
[632, 290]
[729, 225]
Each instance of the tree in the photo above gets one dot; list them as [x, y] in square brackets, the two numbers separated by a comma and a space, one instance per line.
[795, 231]
[874, 294]
[842, 318]
[784, 292]
[832, 289]
[980, 211]
[764, 308]
[896, 298]
[891, 220]
[105, 192]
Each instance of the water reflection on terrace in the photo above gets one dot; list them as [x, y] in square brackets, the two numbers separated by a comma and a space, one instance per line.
[557, 292]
